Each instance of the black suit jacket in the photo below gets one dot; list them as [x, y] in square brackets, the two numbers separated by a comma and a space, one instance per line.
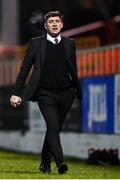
[35, 56]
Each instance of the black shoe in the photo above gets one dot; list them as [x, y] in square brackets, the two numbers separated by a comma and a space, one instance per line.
[63, 168]
[45, 168]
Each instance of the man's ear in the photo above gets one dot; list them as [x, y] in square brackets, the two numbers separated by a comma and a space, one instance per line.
[45, 26]
[61, 25]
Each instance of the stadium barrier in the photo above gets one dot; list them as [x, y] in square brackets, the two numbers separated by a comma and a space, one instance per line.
[102, 61]
[90, 62]
[98, 61]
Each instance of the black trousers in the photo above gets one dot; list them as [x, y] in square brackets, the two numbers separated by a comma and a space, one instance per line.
[54, 107]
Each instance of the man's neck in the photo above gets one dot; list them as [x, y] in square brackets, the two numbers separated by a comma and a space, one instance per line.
[51, 39]
[53, 35]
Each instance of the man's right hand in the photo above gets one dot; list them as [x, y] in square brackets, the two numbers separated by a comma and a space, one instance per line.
[15, 100]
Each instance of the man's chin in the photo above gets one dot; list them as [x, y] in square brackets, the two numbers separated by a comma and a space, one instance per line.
[54, 34]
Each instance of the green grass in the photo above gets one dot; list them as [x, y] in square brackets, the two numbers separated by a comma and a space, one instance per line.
[25, 166]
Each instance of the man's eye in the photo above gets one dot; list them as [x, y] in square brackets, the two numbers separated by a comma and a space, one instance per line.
[50, 21]
[57, 21]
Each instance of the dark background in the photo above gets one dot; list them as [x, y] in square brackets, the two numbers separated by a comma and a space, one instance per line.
[76, 13]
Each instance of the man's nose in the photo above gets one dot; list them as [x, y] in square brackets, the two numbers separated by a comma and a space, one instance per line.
[54, 23]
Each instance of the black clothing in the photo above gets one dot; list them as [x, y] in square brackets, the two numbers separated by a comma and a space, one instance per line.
[35, 56]
[54, 108]
[52, 85]
[54, 75]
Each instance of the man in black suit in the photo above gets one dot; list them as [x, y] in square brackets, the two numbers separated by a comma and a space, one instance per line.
[53, 84]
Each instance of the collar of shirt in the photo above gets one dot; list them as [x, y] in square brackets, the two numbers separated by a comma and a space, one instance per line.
[51, 39]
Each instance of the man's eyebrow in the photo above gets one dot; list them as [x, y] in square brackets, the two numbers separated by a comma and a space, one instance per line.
[54, 20]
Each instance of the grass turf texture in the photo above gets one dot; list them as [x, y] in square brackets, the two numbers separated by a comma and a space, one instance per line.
[25, 166]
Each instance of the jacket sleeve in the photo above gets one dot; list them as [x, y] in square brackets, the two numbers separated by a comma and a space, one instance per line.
[74, 57]
[27, 63]
[78, 85]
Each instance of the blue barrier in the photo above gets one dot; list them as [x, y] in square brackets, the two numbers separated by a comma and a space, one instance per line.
[98, 104]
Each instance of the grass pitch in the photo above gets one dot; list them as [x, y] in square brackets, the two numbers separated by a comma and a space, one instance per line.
[25, 166]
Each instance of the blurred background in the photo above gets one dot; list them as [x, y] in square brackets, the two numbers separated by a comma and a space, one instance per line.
[95, 27]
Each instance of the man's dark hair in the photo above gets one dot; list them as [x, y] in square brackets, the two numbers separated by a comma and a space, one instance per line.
[53, 14]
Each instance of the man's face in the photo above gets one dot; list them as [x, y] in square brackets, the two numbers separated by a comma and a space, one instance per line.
[54, 25]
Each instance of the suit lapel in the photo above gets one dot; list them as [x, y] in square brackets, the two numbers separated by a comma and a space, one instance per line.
[67, 50]
[43, 49]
